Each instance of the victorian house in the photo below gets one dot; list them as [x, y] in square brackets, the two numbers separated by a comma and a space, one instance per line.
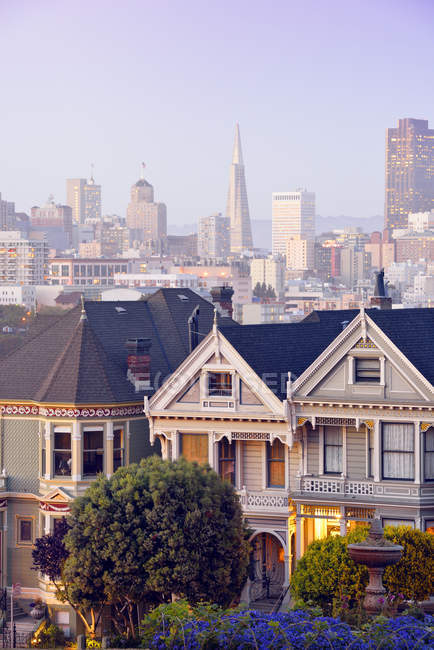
[71, 406]
[319, 425]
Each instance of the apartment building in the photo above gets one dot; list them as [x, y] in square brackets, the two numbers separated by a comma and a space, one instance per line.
[22, 261]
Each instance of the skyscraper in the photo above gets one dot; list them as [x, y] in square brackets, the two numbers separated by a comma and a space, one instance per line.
[92, 200]
[237, 208]
[75, 198]
[409, 171]
[213, 236]
[293, 218]
[147, 219]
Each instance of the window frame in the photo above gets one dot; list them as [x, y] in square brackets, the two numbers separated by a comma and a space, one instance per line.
[120, 449]
[62, 430]
[428, 479]
[182, 435]
[224, 442]
[270, 460]
[339, 446]
[360, 380]
[20, 519]
[99, 451]
[393, 451]
[222, 391]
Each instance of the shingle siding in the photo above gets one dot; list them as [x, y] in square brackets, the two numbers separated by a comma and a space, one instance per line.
[21, 454]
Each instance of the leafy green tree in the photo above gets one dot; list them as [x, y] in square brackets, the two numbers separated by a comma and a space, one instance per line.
[413, 576]
[151, 532]
[257, 291]
[270, 292]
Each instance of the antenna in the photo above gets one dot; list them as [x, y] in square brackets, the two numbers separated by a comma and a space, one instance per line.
[142, 171]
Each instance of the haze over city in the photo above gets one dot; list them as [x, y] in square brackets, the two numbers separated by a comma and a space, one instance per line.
[313, 85]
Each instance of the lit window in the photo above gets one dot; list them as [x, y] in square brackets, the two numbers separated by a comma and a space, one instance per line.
[194, 447]
[275, 464]
[227, 461]
[220, 384]
[62, 453]
[368, 370]
[118, 448]
[93, 452]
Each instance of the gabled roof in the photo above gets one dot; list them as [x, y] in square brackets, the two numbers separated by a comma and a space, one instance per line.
[84, 361]
[280, 348]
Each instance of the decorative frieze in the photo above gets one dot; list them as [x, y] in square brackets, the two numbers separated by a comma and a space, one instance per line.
[364, 344]
[46, 506]
[252, 435]
[66, 412]
[349, 422]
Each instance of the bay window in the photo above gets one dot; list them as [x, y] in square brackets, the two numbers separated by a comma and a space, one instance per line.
[398, 451]
[429, 455]
[93, 451]
[333, 445]
[276, 464]
[194, 447]
[227, 460]
[62, 452]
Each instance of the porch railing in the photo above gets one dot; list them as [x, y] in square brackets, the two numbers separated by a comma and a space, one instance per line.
[343, 486]
[264, 500]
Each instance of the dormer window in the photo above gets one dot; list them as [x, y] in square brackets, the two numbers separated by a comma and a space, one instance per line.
[367, 370]
[219, 384]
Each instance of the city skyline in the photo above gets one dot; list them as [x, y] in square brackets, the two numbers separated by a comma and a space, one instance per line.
[300, 113]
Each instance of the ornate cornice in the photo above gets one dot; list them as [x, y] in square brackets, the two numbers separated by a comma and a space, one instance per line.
[56, 411]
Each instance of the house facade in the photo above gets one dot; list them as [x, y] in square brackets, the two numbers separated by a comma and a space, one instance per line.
[319, 425]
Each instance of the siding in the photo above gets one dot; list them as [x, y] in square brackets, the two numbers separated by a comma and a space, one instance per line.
[253, 464]
[140, 446]
[312, 451]
[356, 453]
[21, 454]
[294, 465]
[19, 558]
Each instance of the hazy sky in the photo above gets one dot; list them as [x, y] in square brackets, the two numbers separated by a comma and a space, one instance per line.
[313, 84]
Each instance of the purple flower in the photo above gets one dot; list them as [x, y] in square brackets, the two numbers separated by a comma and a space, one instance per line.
[381, 600]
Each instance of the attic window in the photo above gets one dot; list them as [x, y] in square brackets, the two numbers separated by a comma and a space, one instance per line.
[121, 310]
[182, 297]
[220, 384]
[368, 371]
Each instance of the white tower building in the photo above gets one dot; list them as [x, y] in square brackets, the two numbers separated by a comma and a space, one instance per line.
[293, 218]
[238, 206]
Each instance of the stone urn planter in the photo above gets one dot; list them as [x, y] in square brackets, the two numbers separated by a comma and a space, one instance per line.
[38, 611]
[376, 553]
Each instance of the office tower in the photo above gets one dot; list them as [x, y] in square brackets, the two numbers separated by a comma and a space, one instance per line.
[269, 271]
[214, 237]
[75, 198]
[22, 261]
[300, 254]
[237, 209]
[92, 200]
[293, 216]
[147, 219]
[50, 218]
[409, 171]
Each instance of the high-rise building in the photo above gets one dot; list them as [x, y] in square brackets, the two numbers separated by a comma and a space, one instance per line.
[75, 198]
[237, 208]
[147, 219]
[269, 270]
[300, 254]
[22, 261]
[409, 171]
[92, 200]
[52, 216]
[7, 211]
[214, 237]
[293, 218]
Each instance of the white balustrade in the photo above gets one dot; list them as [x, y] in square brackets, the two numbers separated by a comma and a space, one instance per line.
[335, 486]
[264, 500]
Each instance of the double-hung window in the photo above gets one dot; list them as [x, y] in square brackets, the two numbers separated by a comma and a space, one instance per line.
[62, 452]
[219, 384]
[429, 455]
[93, 451]
[194, 447]
[118, 448]
[276, 464]
[368, 370]
[333, 445]
[398, 451]
[227, 460]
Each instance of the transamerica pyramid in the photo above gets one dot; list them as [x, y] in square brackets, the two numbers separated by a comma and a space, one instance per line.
[237, 208]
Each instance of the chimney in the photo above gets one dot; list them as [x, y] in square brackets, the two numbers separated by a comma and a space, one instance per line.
[139, 363]
[222, 297]
[379, 299]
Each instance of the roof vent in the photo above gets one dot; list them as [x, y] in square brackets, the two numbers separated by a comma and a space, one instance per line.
[182, 297]
[121, 310]
[344, 324]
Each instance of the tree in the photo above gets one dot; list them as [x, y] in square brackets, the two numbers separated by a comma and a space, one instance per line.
[257, 291]
[50, 556]
[326, 571]
[270, 292]
[153, 531]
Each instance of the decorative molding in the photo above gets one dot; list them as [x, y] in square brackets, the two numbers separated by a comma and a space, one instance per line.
[365, 344]
[424, 426]
[71, 412]
[369, 424]
[253, 435]
[301, 421]
[3, 503]
[46, 506]
[350, 422]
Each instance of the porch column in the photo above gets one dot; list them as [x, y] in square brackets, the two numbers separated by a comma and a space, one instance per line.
[377, 451]
[4, 550]
[418, 474]
[108, 456]
[127, 443]
[299, 533]
[77, 456]
[342, 523]
[287, 566]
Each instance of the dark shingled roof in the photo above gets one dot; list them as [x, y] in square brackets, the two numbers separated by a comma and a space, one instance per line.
[274, 350]
[84, 361]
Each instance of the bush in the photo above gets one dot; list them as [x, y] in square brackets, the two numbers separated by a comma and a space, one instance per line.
[326, 573]
[50, 637]
[327, 577]
[413, 576]
[178, 626]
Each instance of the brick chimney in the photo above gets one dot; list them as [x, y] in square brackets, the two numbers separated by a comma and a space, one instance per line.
[379, 299]
[139, 363]
[222, 297]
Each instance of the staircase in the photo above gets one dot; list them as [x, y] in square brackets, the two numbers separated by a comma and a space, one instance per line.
[265, 605]
[18, 610]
